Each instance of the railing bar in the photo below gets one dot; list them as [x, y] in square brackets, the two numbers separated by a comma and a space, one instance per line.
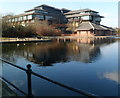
[65, 86]
[13, 65]
[60, 84]
[13, 85]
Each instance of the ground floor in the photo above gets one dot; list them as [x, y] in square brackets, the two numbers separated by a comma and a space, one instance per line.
[90, 33]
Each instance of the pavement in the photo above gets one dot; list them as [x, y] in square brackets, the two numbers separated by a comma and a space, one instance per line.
[6, 91]
[13, 40]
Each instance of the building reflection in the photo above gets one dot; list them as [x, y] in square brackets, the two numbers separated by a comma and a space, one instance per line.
[46, 54]
[83, 52]
[87, 50]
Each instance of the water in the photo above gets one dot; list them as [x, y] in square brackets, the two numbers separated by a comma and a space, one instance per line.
[90, 65]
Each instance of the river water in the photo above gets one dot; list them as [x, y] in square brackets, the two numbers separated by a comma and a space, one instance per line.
[90, 65]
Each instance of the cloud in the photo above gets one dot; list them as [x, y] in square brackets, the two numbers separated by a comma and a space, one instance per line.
[18, 83]
[112, 76]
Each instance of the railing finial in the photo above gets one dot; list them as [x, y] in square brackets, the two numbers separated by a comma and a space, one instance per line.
[29, 66]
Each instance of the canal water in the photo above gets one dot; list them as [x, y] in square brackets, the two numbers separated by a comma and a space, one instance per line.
[90, 65]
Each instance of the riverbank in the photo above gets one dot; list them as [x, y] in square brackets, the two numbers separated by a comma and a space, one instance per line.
[47, 39]
[22, 40]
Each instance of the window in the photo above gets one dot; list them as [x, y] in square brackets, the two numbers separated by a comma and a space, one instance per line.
[86, 17]
[29, 16]
[48, 17]
[16, 19]
[97, 19]
[41, 11]
[24, 17]
[40, 16]
[21, 18]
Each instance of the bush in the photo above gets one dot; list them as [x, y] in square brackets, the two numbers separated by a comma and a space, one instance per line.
[44, 29]
[17, 31]
[40, 28]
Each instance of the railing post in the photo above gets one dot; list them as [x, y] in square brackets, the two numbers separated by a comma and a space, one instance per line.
[29, 81]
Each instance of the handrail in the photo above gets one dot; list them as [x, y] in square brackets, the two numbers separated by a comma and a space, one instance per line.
[29, 72]
[65, 86]
[14, 65]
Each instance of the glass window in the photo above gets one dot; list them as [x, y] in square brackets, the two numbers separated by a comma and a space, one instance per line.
[40, 11]
[48, 17]
[97, 19]
[21, 18]
[16, 19]
[29, 16]
[40, 16]
[24, 17]
[85, 17]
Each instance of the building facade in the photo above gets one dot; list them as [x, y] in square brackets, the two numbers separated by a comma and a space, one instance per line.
[87, 23]
[77, 16]
[42, 12]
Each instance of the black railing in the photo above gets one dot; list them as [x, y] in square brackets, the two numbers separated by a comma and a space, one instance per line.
[30, 72]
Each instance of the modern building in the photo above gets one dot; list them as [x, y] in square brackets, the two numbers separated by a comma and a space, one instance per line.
[89, 29]
[87, 23]
[76, 17]
[42, 12]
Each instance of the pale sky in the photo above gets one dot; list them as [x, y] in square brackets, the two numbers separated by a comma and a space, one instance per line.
[106, 8]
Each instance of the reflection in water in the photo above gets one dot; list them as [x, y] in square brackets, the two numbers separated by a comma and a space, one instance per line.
[46, 54]
[112, 76]
[83, 52]
[49, 54]
[96, 74]
[18, 83]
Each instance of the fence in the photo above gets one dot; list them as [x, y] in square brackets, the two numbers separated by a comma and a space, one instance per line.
[29, 72]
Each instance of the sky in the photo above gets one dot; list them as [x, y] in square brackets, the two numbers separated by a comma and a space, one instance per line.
[106, 8]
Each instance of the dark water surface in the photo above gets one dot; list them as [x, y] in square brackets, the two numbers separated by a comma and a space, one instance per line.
[90, 65]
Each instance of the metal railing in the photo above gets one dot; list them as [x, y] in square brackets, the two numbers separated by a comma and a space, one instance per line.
[29, 72]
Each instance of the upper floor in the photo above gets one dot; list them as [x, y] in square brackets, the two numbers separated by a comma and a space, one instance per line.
[84, 15]
[42, 12]
[52, 14]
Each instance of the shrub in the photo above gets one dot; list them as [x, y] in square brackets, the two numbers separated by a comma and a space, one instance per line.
[17, 31]
[44, 29]
[38, 27]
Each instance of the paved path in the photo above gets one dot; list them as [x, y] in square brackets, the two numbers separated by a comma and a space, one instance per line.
[6, 91]
[20, 40]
